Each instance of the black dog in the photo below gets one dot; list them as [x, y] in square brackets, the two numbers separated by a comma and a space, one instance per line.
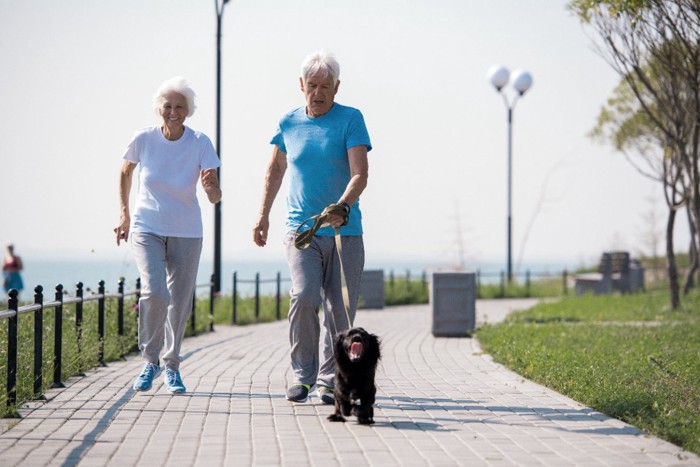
[356, 355]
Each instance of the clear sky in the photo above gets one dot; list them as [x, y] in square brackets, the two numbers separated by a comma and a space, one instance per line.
[77, 76]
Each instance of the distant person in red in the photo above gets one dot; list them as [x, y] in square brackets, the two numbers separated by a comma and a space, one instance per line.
[11, 267]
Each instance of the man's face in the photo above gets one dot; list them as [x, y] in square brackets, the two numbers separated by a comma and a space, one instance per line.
[319, 93]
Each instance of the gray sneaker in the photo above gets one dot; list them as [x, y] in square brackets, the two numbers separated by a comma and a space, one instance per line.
[298, 392]
[326, 395]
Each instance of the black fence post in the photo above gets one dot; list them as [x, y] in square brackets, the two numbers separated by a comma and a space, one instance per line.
[235, 298]
[527, 283]
[79, 325]
[257, 296]
[391, 278]
[193, 318]
[278, 297]
[408, 280]
[120, 313]
[478, 283]
[212, 297]
[39, 343]
[565, 282]
[137, 298]
[58, 339]
[101, 321]
[503, 284]
[120, 307]
[424, 280]
[13, 304]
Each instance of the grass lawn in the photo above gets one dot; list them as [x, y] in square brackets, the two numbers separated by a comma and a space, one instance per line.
[627, 356]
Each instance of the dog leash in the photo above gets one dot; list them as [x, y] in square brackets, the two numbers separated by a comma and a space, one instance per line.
[303, 239]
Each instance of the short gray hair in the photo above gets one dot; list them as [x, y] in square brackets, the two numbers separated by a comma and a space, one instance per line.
[179, 85]
[323, 62]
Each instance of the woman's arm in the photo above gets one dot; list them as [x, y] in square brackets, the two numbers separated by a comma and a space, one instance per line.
[210, 183]
[125, 175]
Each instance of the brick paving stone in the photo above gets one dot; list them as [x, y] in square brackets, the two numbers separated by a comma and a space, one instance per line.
[440, 401]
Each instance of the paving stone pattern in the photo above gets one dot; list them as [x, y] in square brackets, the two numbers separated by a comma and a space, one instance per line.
[440, 401]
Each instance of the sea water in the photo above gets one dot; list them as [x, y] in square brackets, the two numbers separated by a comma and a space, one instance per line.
[49, 273]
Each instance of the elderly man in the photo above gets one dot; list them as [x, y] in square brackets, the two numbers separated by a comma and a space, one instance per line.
[324, 146]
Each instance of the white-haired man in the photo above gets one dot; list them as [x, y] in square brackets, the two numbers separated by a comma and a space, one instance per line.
[323, 145]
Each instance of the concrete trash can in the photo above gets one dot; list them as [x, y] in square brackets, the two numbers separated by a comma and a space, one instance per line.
[453, 303]
[372, 289]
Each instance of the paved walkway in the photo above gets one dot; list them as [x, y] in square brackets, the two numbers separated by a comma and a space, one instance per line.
[439, 402]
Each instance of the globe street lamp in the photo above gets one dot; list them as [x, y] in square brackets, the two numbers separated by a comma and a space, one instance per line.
[522, 81]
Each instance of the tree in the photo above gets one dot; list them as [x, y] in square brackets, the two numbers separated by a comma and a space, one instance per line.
[654, 45]
[624, 124]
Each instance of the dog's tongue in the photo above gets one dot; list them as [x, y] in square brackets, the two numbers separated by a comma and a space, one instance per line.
[356, 350]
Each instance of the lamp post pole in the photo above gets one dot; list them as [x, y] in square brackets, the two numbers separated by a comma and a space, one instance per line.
[522, 81]
[217, 207]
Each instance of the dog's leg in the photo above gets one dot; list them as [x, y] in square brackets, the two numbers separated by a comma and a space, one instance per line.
[336, 417]
[365, 414]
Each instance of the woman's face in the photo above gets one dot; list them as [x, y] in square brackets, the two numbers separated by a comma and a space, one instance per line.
[174, 110]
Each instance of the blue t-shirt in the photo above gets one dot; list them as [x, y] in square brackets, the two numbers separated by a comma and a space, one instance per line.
[317, 162]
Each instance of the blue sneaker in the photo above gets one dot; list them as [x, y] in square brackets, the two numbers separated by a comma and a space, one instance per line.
[174, 381]
[144, 382]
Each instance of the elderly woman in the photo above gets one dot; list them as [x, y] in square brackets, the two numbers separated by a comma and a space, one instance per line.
[166, 228]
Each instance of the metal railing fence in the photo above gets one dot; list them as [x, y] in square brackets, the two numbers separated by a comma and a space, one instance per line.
[60, 300]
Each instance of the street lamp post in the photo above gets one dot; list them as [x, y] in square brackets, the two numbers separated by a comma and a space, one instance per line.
[219, 4]
[522, 81]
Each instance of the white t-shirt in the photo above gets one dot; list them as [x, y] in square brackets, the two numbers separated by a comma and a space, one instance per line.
[167, 188]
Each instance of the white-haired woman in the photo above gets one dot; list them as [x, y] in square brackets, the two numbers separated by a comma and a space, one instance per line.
[166, 226]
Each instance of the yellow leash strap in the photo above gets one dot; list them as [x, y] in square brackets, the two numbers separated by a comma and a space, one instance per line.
[303, 239]
[343, 282]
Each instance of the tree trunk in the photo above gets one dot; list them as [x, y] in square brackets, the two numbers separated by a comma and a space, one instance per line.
[693, 255]
[671, 261]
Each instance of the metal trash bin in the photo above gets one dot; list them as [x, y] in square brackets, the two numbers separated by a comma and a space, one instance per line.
[453, 303]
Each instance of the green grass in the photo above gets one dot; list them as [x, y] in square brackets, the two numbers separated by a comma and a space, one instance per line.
[404, 291]
[628, 356]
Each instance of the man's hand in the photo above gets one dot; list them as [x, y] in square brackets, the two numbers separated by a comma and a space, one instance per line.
[334, 220]
[260, 231]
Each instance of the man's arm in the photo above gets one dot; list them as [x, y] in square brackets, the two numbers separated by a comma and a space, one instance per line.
[359, 173]
[273, 180]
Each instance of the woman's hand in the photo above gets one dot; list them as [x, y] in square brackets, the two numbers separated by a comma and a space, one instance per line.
[210, 183]
[122, 230]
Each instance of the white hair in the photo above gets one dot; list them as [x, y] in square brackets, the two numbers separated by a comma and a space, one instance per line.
[323, 62]
[179, 85]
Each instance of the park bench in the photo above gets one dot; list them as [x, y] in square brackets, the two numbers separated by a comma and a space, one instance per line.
[617, 272]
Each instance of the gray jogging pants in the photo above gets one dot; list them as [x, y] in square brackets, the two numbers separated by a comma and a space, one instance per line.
[315, 274]
[168, 268]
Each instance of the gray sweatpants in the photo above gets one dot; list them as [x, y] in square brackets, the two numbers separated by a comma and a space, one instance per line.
[168, 268]
[315, 274]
